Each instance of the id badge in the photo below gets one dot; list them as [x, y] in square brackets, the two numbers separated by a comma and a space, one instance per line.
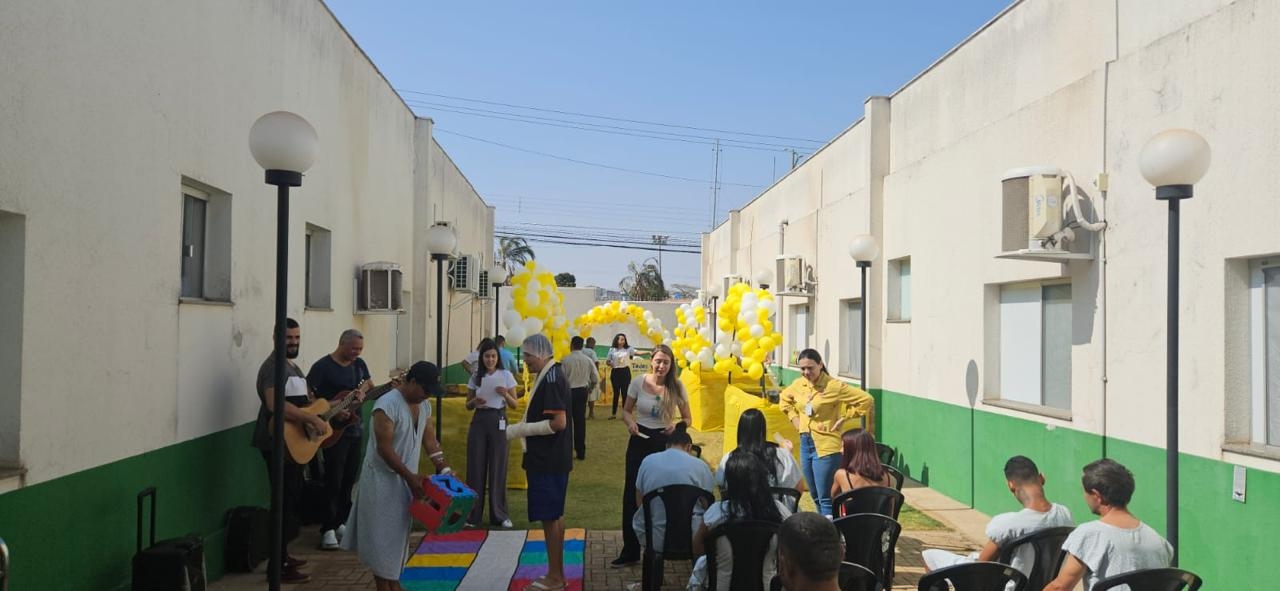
[502, 424]
[808, 409]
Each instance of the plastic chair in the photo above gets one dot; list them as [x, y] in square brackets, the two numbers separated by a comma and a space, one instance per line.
[749, 543]
[887, 454]
[870, 499]
[1152, 579]
[974, 576]
[869, 541]
[853, 577]
[678, 500]
[1046, 544]
[787, 496]
[898, 477]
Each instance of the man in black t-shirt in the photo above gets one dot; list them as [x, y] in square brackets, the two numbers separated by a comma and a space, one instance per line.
[296, 395]
[337, 372]
[548, 455]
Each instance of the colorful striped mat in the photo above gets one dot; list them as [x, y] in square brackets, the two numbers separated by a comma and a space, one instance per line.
[484, 560]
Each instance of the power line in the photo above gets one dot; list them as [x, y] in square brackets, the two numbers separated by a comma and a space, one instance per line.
[608, 118]
[597, 128]
[603, 245]
[570, 226]
[592, 237]
[523, 201]
[587, 163]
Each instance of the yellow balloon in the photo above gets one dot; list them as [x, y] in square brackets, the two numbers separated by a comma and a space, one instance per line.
[755, 370]
[765, 343]
[744, 334]
[749, 346]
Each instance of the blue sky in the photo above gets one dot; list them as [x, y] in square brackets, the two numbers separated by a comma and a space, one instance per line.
[793, 70]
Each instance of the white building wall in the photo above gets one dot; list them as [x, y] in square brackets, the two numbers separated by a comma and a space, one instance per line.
[1080, 85]
[106, 109]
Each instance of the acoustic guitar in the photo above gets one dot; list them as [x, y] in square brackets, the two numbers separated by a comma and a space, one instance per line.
[345, 401]
[303, 441]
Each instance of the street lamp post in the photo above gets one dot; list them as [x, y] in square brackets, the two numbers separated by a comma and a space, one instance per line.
[764, 278]
[863, 249]
[1173, 161]
[285, 145]
[497, 277]
[441, 242]
[714, 292]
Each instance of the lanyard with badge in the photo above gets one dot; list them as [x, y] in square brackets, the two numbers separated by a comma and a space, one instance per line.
[808, 406]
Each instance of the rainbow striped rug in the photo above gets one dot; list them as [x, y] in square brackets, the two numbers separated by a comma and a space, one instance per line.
[484, 560]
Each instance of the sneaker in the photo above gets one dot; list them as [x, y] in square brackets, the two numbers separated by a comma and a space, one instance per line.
[329, 540]
[506, 524]
[292, 562]
[342, 531]
[622, 561]
[293, 576]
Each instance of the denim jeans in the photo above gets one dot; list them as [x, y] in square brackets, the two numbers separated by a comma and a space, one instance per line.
[818, 473]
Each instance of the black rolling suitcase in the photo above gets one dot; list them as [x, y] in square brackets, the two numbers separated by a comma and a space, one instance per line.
[175, 564]
[248, 538]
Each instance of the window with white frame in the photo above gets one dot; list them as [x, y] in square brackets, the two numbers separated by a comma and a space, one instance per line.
[851, 338]
[900, 290]
[801, 328]
[206, 243]
[1035, 345]
[1264, 312]
[318, 267]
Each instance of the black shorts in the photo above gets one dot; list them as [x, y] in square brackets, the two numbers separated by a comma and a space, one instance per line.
[546, 494]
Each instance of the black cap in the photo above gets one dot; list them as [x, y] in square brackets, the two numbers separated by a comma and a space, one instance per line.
[427, 375]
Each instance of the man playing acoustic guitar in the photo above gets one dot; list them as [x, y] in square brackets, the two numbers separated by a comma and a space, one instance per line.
[296, 394]
[333, 374]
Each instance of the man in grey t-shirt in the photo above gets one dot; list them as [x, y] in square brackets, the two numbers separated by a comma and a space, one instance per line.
[675, 465]
[1116, 543]
[1027, 485]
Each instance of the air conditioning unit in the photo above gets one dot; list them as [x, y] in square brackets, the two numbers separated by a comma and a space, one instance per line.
[483, 289]
[792, 276]
[378, 289]
[1034, 217]
[730, 281]
[462, 273]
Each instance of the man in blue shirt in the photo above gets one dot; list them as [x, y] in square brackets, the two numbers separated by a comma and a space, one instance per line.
[505, 357]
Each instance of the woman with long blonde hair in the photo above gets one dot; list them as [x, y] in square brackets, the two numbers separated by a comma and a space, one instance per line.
[654, 401]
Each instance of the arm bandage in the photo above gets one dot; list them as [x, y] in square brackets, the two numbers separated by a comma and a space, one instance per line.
[520, 430]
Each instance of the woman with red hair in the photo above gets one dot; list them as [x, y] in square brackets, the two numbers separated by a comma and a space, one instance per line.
[859, 463]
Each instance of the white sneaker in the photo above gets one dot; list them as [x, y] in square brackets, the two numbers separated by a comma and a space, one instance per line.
[506, 523]
[329, 540]
[342, 531]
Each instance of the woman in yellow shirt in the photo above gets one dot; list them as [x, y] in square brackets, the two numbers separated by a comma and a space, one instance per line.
[820, 406]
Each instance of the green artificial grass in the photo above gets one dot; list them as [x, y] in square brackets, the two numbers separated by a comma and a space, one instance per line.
[595, 485]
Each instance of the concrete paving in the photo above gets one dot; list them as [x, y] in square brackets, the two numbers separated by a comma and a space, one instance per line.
[342, 571]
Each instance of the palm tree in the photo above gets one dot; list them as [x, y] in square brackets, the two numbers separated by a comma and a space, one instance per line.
[513, 253]
[644, 283]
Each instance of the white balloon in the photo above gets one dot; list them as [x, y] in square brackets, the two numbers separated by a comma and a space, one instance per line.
[750, 298]
[532, 326]
[531, 298]
[722, 350]
[737, 348]
[705, 333]
[690, 356]
[705, 357]
[767, 304]
[757, 331]
[515, 336]
[510, 319]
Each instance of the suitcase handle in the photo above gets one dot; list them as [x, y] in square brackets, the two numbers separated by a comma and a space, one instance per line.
[150, 492]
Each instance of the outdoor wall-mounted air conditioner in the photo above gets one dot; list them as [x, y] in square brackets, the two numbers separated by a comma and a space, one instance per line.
[483, 289]
[1041, 216]
[462, 273]
[793, 276]
[378, 289]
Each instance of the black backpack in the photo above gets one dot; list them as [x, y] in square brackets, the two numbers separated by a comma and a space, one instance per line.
[248, 538]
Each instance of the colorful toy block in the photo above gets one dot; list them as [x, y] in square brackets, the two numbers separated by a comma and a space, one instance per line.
[446, 506]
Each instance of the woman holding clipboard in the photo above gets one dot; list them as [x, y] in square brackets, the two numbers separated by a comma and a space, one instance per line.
[489, 391]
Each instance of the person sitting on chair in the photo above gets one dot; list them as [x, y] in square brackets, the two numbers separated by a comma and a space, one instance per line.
[1027, 485]
[780, 466]
[1116, 543]
[860, 464]
[746, 495]
[675, 465]
[810, 550]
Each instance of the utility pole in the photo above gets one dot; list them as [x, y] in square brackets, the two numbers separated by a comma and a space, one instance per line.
[715, 186]
[660, 240]
[795, 157]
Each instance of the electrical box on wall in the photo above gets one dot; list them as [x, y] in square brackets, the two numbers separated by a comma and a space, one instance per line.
[378, 289]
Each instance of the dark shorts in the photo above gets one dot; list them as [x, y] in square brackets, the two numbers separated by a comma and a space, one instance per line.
[546, 495]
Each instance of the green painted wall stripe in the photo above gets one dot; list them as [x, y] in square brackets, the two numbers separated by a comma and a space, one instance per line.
[77, 532]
